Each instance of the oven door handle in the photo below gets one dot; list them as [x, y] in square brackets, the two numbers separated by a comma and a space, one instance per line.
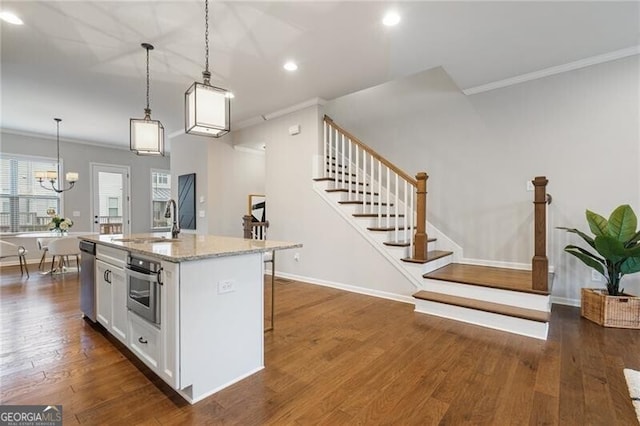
[147, 277]
[159, 276]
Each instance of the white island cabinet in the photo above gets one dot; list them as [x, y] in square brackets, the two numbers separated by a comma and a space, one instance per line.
[210, 333]
[111, 291]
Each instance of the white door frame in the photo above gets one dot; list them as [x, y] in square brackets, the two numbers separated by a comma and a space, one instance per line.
[126, 191]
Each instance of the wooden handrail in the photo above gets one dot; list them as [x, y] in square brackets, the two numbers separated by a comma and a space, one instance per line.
[540, 262]
[371, 152]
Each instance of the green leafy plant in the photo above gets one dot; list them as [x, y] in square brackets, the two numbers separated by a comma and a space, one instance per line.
[617, 243]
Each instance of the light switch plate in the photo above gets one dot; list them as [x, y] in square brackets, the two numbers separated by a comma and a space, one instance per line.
[201, 213]
[226, 286]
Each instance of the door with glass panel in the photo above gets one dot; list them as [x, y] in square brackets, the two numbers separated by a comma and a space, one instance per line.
[110, 200]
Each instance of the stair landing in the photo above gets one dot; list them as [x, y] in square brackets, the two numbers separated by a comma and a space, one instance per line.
[486, 276]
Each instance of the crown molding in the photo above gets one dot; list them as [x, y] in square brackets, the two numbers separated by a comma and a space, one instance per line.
[582, 63]
[62, 139]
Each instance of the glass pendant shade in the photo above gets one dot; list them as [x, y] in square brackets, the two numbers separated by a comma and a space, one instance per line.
[147, 136]
[207, 110]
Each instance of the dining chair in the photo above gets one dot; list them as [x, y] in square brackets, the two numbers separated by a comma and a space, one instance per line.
[8, 249]
[64, 247]
[43, 246]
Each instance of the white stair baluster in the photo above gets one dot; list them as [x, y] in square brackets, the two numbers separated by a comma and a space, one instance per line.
[396, 198]
[379, 192]
[349, 161]
[324, 151]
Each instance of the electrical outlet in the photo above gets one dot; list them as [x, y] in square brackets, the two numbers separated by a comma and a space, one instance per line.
[226, 287]
[530, 186]
[596, 276]
[296, 257]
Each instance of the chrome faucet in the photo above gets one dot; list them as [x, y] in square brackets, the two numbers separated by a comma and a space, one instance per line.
[175, 229]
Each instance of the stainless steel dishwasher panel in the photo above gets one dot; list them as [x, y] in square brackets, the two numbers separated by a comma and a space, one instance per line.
[87, 279]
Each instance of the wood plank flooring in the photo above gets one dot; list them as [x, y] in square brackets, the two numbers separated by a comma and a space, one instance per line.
[511, 279]
[334, 358]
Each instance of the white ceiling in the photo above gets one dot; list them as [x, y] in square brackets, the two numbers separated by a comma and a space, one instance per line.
[82, 60]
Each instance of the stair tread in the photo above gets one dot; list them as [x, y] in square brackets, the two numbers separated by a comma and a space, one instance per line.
[385, 228]
[340, 172]
[496, 308]
[376, 215]
[404, 243]
[346, 190]
[332, 179]
[431, 256]
[375, 203]
[486, 276]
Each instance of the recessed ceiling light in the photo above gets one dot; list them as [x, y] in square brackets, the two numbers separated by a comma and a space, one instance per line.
[290, 66]
[11, 18]
[391, 19]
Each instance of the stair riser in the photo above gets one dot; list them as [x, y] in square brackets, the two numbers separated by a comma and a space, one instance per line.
[535, 329]
[436, 264]
[489, 294]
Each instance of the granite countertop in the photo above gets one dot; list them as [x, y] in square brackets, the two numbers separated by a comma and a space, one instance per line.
[187, 246]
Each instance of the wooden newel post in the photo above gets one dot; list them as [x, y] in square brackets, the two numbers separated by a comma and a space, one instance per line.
[540, 263]
[246, 224]
[420, 239]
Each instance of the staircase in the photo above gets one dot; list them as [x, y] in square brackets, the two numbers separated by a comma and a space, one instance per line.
[388, 208]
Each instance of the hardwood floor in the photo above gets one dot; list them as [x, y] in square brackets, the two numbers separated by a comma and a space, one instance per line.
[334, 358]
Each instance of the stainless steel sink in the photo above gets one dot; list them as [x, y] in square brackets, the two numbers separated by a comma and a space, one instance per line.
[150, 240]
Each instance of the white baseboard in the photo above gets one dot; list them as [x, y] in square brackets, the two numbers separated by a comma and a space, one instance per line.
[565, 301]
[350, 288]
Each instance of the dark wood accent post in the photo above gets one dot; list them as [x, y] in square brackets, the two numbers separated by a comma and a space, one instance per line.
[540, 263]
[420, 240]
[246, 224]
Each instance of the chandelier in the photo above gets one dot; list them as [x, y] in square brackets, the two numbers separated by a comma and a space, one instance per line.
[207, 110]
[146, 135]
[51, 176]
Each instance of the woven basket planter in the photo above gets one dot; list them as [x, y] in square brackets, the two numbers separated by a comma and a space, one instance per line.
[610, 311]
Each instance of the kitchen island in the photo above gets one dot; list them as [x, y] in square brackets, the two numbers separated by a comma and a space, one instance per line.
[209, 329]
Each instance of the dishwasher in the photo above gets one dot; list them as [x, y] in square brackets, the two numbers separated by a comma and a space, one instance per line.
[87, 279]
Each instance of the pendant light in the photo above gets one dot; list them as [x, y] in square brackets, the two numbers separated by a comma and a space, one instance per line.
[207, 109]
[52, 175]
[146, 135]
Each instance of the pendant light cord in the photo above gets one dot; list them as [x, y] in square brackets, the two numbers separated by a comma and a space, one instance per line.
[58, 120]
[147, 49]
[206, 35]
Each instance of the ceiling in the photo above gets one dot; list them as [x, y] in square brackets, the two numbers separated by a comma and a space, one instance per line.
[82, 60]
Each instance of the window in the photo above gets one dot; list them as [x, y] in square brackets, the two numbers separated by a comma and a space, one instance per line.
[23, 203]
[114, 204]
[160, 194]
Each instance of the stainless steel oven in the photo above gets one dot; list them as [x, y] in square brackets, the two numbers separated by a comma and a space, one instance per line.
[143, 287]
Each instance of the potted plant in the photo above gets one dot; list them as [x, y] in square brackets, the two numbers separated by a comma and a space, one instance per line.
[616, 242]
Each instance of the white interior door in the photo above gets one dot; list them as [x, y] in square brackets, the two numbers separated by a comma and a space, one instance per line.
[110, 200]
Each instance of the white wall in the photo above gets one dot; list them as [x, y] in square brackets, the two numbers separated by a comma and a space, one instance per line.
[224, 178]
[333, 250]
[580, 129]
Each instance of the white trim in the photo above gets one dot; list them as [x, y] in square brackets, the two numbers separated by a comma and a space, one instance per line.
[350, 288]
[582, 63]
[500, 264]
[521, 326]
[279, 113]
[556, 300]
[200, 397]
[66, 140]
